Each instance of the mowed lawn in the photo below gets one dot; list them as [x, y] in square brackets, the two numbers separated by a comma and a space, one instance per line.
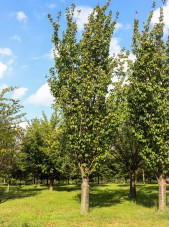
[109, 206]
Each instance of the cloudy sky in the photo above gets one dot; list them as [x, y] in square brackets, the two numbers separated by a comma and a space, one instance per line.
[26, 47]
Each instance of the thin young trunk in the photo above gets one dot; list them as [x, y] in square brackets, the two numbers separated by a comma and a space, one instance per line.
[98, 178]
[162, 193]
[4, 180]
[34, 180]
[38, 183]
[143, 177]
[85, 195]
[47, 181]
[8, 187]
[133, 184]
[51, 184]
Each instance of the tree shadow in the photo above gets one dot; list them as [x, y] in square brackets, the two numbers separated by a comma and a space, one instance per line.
[147, 196]
[101, 196]
[18, 192]
[74, 187]
[67, 188]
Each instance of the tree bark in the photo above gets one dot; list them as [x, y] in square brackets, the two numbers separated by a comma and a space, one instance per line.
[85, 196]
[162, 193]
[133, 184]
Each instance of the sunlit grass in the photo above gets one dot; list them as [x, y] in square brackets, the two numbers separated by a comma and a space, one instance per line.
[109, 206]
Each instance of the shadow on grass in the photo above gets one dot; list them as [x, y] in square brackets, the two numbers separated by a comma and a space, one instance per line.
[101, 196]
[17, 192]
[67, 188]
[147, 196]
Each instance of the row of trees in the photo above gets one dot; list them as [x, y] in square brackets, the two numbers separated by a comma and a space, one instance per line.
[95, 128]
[137, 111]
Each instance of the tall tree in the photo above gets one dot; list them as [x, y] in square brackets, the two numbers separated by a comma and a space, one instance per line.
[149, 97]
[79, 82]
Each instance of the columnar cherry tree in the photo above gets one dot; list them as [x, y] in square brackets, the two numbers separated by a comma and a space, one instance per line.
[79, 82]
[149, 97]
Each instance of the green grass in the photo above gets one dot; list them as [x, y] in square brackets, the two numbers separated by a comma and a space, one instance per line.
[109, 207]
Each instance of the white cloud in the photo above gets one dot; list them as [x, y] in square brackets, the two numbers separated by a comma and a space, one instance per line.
[3, 69]
[21, 16]
[82, 17]
[42, 97]
[50, 54]
[122, 26]
[16, 37]
[132, 57]
[156, 15]
[52, 6]
[23, 124]
[5, 51]
[8, 59]
[3, 86]
[119, 26]
[114, 46]
[19, 92]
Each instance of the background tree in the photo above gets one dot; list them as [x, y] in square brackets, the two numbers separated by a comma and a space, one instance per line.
[149, 97]
[10, 131]
[42, 146]
[79, 82]
[51, 131]
[124, 146]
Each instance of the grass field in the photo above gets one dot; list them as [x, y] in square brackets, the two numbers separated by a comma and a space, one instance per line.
[109, 206]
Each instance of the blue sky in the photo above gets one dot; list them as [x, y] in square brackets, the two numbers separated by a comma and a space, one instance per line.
[26, 47]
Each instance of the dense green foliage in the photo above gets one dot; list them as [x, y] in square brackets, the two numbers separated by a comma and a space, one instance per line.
[149, 95]
[79, 83]
[10, 132]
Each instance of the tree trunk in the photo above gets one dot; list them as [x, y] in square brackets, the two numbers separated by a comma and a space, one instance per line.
[98, 178]
[4, 180]
[85, 196]
[143, 177]
[133, 184]
[38, 183]
[47, 181]
[34, 180]
[8, 187]
[162, 193]
[51, 184]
